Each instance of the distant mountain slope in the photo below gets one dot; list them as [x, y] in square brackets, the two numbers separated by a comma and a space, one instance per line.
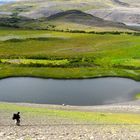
[115, 10]
[135, 3]
[118, 14]
[76, 16]
[121, 3]
[119, 11]
[127, 12]
[41, 8]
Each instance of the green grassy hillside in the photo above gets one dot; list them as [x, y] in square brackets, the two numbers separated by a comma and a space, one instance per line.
[68, 55]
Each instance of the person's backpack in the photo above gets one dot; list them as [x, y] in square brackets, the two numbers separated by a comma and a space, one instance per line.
[14, 116]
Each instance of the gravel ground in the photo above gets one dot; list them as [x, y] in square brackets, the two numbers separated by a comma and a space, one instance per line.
[69, 132]
[54, 128]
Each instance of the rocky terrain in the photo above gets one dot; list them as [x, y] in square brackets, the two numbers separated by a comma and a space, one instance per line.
[36, 127]
[70, 132]
[120, 14]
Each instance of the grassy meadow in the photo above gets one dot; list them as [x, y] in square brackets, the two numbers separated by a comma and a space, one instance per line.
[50, 54]
[78, 116]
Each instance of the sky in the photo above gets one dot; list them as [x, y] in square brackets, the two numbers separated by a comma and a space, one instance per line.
[6, 0]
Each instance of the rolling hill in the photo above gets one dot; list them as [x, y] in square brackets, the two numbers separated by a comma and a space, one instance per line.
[67, 20]
[78, 17]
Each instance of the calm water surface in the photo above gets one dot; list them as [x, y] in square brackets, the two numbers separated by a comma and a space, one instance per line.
[70, 92]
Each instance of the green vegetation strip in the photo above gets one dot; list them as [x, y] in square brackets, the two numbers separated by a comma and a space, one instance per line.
[93, 117]
[66, 73]
[35, 62]
[137, 96]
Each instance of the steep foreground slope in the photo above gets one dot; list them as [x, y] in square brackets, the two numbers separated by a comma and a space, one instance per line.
[44, 122]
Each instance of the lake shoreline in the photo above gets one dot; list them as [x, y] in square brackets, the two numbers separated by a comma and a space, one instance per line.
[125, 107]
[68, 78]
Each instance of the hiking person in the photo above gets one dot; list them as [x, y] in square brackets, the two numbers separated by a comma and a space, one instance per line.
[16, 117]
